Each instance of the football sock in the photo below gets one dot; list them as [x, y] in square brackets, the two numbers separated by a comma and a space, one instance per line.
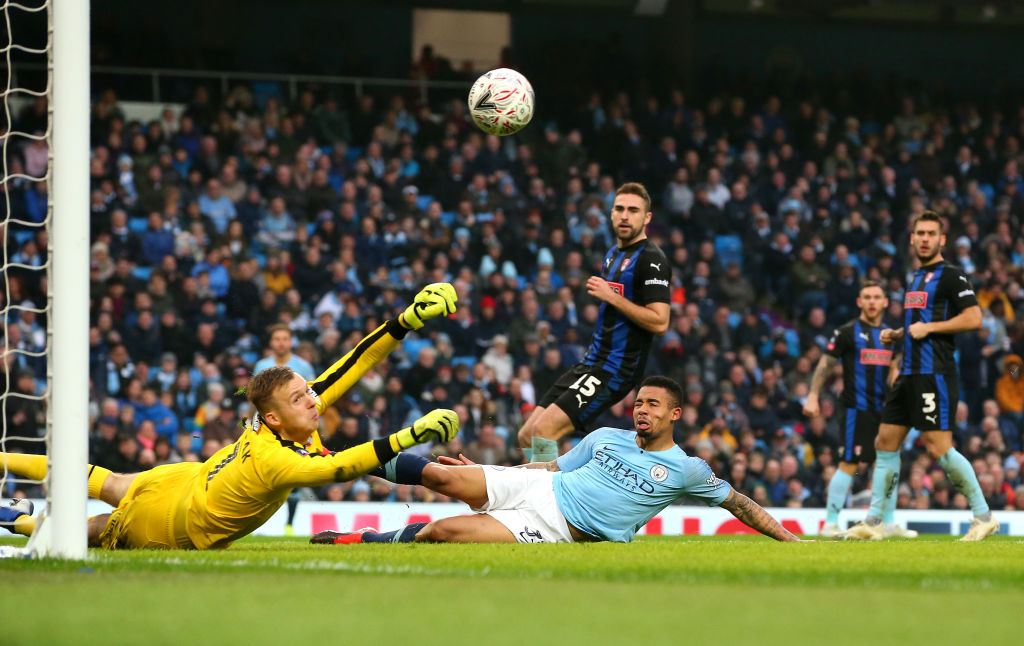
[544, 450]
[16, 521]
[405, 535]
[24, 525]
[97, 476]
[25, 465]
[404, 468]
[883, 483]
[962, 475]
[837, 490]
[889, 517]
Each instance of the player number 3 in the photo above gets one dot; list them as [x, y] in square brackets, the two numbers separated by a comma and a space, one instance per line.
[929, 402]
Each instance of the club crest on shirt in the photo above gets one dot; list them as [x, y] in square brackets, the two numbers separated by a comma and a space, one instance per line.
[916, 300]
[928, 276]
[659, 473]
[625, 263]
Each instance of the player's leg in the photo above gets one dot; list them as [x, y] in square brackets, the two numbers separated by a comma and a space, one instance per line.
[883, 482]
[842, 479]
[16, 517]
[466, 483]
[479, 528]
[551, 421]
[941, 402]
[103, 484]
[939, 445]
[838, 488]
[542, 430]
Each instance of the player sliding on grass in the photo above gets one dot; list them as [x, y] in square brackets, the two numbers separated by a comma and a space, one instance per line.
[212, 504]
[606, 488]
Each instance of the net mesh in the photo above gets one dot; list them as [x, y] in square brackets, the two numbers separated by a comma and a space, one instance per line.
[25, 221]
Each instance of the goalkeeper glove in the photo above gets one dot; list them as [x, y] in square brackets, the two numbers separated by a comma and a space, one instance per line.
[441, 425]
[437, 299]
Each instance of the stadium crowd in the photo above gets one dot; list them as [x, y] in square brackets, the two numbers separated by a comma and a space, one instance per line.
[211, 226]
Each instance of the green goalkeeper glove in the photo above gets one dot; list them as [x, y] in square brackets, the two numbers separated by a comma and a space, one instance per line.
[437, 299]
[441, 425]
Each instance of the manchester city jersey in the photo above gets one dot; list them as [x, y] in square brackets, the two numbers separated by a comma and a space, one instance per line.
[609, 487]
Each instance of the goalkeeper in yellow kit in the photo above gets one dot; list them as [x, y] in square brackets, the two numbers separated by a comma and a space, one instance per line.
[210, 505]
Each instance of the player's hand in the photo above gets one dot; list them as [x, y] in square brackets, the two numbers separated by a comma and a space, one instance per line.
[461, 461]
[440, 425]
[889, 335]
[918, 330]
[600, 289]
[437, 299]
[811, 408]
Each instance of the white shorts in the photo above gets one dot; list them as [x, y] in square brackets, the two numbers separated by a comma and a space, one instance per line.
[523, 500]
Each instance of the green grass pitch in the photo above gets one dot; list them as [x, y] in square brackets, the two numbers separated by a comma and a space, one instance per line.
[686, 590]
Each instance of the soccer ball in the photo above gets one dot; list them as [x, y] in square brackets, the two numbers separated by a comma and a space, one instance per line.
[501, 102]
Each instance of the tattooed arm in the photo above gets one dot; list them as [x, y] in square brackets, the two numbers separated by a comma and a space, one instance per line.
[753, 515]
[825, 365]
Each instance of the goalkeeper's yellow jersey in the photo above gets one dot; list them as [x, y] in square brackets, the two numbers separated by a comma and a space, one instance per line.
[242, 485]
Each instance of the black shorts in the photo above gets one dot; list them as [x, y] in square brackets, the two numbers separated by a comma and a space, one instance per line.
[925, 402]
[584, 392]
[859, 428]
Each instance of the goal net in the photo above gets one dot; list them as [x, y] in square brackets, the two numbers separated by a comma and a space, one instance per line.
[44, 296]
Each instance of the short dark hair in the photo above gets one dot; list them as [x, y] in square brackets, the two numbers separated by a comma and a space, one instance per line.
[928, 216]
[636, 188]
[870, 283]
[675, 391]
[278, 327]
[260, 389]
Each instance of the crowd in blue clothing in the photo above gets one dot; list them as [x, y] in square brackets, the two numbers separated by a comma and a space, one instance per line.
[211, 225]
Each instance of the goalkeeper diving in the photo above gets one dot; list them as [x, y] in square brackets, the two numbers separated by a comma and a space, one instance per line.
[210, 505]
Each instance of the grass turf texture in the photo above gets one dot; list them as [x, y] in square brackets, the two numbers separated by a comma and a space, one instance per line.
[730, 590]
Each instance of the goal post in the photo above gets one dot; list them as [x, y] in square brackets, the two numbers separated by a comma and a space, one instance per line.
[68, 287]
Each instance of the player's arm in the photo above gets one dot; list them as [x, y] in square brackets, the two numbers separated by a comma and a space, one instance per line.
[824, 367]
[288, 469]
[433, 300]
[967, 320]
[652, 317]
[463, 461]
[961, 296]
[891, 336]
[894, 368]
[754, 515]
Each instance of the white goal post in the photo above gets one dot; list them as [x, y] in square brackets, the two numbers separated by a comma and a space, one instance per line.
[68, 364]
[61, 526]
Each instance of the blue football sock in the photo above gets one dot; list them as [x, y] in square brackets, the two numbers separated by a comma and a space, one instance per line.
[883, 483]
[8, 514]
[838, 487]
[961, 474]
[404, 468]
[405, 535]
[544, 450]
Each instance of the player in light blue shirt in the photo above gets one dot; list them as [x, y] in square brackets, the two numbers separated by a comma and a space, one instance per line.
[281, 354]
[606, 488]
